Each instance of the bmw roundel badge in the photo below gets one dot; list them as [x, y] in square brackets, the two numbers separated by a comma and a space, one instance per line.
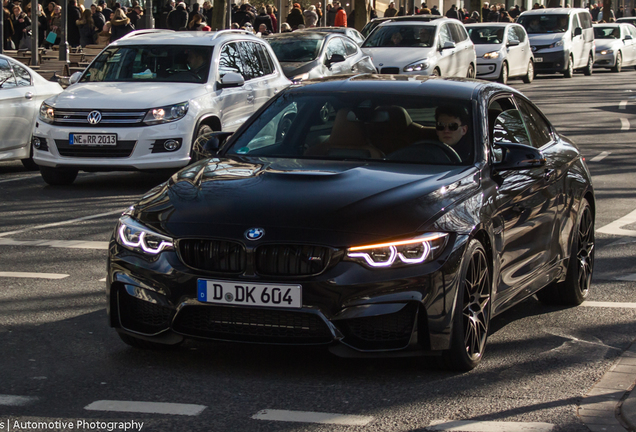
[254, 233]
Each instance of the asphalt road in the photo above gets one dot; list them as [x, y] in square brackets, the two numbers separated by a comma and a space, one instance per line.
[59, 357]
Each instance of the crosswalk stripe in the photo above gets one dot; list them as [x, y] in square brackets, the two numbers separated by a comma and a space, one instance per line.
[55, 224]
[609, 304]
[12, 400]
[312, 417]
[33, 275]
[69, 244]
[146, 407]
[488, 426]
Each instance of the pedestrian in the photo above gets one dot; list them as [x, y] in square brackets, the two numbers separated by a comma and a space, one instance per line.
[176, 19]
[7, 26]
[135, 15]
[331, 15]
[285, 28]
[49, 10]
[197, 23]
[272, 15]
[207, 12]
[43, 25]
[435, 10]
[86, 27]
[390, 11]
[119, 25]
[341, 15]
[106, 11]
[319, 13]
[295, 17]
[424, 10]
[514, 12]
[98, 17]
[263, 30]
[311, 17]
[485, 11]
[474, 18]
[20, 22]
[56, 23]
[74, 14]
[263, 18]
[452, 12]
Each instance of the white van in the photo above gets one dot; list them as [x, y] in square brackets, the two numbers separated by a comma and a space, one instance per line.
[562, 40]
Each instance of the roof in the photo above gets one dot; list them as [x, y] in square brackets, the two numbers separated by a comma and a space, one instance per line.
[169, 37]
[299, 35]
[554, 11]
[491, 24]
[456, 88]
[412, 23]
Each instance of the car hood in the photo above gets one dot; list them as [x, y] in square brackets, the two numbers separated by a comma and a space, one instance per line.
[291, 69]
[545, 38]
[602, 44]
[397, 57]
[480, 50]
[128, 95]
[335, 203]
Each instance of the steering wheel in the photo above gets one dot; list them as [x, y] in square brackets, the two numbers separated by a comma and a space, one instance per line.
[424, 151]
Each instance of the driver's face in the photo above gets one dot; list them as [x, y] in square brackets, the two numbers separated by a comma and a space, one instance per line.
[194, 60]
[447, 136]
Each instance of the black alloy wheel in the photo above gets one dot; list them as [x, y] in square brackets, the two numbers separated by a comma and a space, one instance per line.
[576, 287]
[472, 313]
[503, 78]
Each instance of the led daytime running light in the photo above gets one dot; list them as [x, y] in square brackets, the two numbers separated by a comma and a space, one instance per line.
[422, 239]
[396, 250]
[141, 241]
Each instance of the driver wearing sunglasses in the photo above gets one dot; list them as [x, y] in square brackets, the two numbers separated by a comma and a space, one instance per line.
[451, 125]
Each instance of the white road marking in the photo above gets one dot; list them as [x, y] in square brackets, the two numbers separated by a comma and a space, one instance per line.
[11, 400]
[488, 426]
[68, 222]
[34, 275]
[628, 278]
[25, 177]
[69, 244]
[312, 417]
[102, 280]
[600, 157]
[622, 105]
[615, 227]
[624, 123]
[611, 304]
[146, 407]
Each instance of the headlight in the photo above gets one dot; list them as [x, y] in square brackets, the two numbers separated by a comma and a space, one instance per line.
[557, 44]
[47, 113]
[134, 236]
[492, 55]
[419, 65]
[166, 114]
[300, 77]
[416, 250]
[607, 52]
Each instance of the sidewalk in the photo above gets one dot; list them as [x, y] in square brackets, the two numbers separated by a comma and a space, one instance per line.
[608, 407]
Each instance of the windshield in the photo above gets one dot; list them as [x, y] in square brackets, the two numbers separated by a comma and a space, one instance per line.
[544, 23]
[361, 126]
[401, 36]
[607, 33]
[151, 63]
[296, 49]
[486, 35]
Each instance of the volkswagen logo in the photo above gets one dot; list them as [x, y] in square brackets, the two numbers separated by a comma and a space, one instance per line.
[254, 233]
[94, 117]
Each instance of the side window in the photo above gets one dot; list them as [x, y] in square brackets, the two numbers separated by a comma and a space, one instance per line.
[512, 35]
[521, 33]
[456, 32]
[350, 47]
[251, 60]
[230, 61]
[266, 61]
[632, 31]
[7, 80]
[575, 22]
[539, 129]
[22, 75]
[444, 35]
[336, 46]
[586, 20]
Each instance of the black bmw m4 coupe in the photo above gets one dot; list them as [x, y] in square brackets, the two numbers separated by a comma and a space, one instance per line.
[375, 215]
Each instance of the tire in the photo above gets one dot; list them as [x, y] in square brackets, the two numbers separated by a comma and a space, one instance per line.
[197, 152]
[569, 72]
[471, 71]
[472, 312]
[503, 78]
[58, 176]
[145, 344]
[530, 74]
[619, 63]
[589, 68]
[436, 73]
[575, 289]
[29, 164]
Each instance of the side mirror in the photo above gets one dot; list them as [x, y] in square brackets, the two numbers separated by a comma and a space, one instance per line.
[628, 37]
[448, 45]
[74, 78]
[231, 79]
[578, 31]
[335, 58]
[517, 157]
[513, 42]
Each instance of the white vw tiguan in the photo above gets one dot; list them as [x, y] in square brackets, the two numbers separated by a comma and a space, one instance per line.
[143, 101]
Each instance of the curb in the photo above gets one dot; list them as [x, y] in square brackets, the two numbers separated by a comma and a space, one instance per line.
[601, 409]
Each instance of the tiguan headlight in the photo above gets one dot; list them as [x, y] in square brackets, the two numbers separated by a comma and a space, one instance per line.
[166, 114]
[139, 238]
[47, 113]
[417, 250]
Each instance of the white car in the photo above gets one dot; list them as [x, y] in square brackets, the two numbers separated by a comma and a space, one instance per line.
[21, 93]
[145, 99]
[440, 48]
[503, 51]
[615, 45]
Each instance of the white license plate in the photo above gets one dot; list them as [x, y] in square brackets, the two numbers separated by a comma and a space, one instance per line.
[538, 59]
[249, 294]
[93, 139]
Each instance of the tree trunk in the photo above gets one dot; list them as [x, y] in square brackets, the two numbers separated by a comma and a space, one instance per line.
[362, 15]
[218, 15]
[607, 10]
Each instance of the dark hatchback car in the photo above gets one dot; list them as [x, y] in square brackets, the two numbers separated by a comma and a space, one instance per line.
[336, 216]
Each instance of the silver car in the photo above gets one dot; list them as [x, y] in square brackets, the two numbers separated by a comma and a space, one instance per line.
[615, 45]
[503, 51]
[21, 93]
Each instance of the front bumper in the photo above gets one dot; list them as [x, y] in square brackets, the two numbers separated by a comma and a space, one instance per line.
[488, 69]
[605, 60]
[138, 148]
[354, 310]
[550, 62]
